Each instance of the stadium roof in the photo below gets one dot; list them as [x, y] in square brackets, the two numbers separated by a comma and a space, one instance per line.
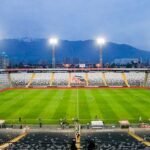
[75, 69]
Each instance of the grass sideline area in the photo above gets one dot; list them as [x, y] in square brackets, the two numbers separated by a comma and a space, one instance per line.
[109, 105]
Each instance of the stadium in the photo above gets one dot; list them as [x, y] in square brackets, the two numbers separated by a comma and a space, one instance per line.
[50, 103]
[74, 75]
[67, 93]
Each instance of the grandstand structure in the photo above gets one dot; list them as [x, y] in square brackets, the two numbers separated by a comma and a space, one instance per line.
[13, 139]
[72, 77]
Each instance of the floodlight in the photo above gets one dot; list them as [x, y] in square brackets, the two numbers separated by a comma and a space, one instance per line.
[53, 41]
[100, 41]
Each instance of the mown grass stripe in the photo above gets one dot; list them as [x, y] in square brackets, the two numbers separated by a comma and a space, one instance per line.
[84, 112]
[95, 113]
[71, 108]
[106, 109]
[119, 106]
[32, 106]
[38, 105]
[22, 102]
[61, 110]
[110, 105]
[11, 104]
[7, 97]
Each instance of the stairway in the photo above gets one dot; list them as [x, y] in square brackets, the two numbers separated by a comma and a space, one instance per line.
[86, 79]
[138, 138]
[104, 79]
[69, 79]
[125, 79]
[31, 80]
[52, 78]
[146, 78]
[16, 139]
[9, 79]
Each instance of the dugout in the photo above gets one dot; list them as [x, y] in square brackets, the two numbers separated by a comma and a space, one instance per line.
[97, 124]
[124, 124]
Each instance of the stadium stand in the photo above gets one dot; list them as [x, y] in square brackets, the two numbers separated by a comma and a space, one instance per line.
[7, 135]
[145, 134]
[44, 140]
[74, 78]
[41, 79]
[65, 140]
[61, 79]
[20, 79]
[148, 80]
[110, 141]
[89, 140]
[4, 81]
[135, 78]
[95, 79]
[114, 79]
[78, 79]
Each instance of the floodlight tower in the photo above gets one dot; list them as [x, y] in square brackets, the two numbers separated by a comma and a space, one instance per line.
[53, 42]
[101, 42]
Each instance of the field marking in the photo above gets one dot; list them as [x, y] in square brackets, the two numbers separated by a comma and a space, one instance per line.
[70, 119]
[77, 103]
[68, 88]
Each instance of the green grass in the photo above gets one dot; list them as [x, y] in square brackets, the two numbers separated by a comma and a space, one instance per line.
[109, 105]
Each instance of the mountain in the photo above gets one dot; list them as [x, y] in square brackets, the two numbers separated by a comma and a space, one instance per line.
[38, 50]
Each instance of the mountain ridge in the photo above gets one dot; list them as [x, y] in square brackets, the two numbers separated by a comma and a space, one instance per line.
[86, 51]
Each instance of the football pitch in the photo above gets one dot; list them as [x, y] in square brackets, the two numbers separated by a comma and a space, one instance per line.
[49, 105]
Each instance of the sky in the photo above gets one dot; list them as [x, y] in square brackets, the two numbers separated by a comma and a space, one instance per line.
[120, 21]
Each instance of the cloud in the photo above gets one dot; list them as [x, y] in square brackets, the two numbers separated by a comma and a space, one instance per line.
[123, 21]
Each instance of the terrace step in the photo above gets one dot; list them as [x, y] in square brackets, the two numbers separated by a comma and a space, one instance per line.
[9, 79]
[52, 78]
[125, 79]
[86, 79]
[69, 79]
[31, 80]
[104, 79]
[146, 78]
[138, 138]
[16, 139]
